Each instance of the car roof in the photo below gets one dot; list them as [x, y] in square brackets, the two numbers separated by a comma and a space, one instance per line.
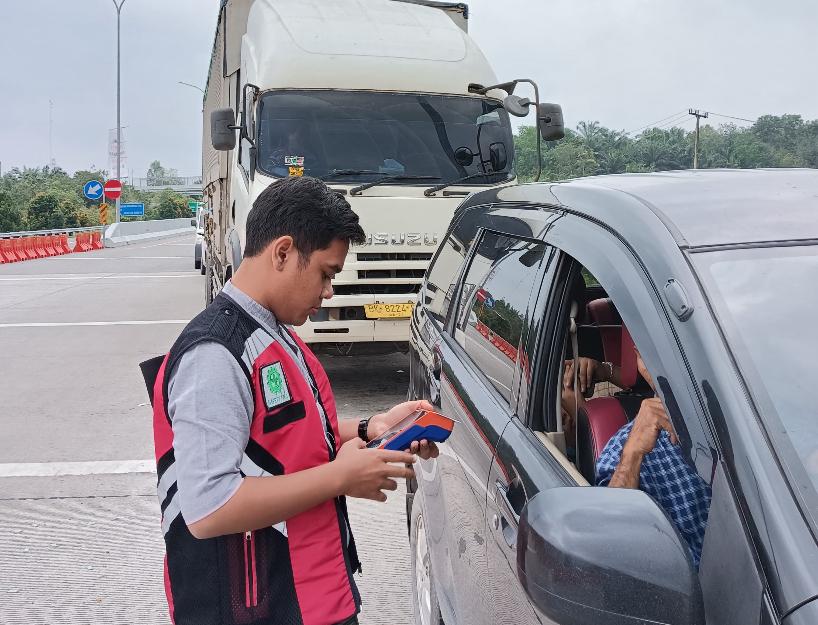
[700, 208]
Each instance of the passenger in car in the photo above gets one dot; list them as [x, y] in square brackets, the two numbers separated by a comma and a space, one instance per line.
[645, 454]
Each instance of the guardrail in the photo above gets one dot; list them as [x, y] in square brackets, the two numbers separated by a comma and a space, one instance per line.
[20, 246]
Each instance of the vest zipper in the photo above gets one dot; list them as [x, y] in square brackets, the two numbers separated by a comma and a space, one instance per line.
[250, 583]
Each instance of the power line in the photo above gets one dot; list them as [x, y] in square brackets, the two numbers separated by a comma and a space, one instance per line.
[681, 119]
[653, 124]
[743, 119]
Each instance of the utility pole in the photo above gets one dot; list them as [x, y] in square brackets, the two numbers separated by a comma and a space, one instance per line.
[699, 114]
[118, 100]
[51, 133]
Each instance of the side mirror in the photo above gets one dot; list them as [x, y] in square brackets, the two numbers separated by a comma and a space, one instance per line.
[498, 157]
[193, 222]
[517, 106]
[550, 122]
[223, 129]
[588, 555]
[464, 156]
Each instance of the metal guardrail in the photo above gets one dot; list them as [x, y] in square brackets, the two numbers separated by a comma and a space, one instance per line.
[39, 233]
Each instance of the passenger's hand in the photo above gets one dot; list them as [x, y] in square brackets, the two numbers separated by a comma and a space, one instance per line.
[649, 423]
[366, 473]
[386, 421]
[424, 449]
[588, 374]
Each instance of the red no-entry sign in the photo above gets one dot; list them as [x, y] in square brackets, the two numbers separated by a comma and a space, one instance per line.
[113, 189]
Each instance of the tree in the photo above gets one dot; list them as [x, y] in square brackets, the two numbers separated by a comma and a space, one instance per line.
[12, 219]
[171, 205]
[160, 176]
[44, 212]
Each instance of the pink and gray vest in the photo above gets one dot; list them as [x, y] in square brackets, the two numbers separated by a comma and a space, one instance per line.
[300, 571]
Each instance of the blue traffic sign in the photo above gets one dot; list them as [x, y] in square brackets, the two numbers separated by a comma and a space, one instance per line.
[92, 190]
[132, 210]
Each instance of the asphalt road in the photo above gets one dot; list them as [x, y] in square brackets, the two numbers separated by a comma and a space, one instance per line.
[78, 511]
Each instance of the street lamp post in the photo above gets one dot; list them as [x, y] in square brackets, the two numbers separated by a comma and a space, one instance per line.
[118, 6]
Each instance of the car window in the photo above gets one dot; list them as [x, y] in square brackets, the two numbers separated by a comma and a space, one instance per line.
[493, 304]
[442, 278]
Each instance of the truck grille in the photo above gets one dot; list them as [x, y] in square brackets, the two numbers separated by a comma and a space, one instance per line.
[383, 274]
[376, 289]
[382, 256]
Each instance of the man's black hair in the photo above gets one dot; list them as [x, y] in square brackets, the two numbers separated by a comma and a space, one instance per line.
[305, 209]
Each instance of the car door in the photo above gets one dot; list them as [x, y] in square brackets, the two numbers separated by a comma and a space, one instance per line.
[526, 463]
[481, 364]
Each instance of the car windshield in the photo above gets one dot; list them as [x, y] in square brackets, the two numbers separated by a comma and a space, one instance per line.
[766, 300]
[352, 137]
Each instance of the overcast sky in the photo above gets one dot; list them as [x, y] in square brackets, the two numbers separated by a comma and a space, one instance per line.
[625, 63]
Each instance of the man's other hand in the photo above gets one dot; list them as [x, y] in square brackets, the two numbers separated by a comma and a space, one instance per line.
[366, 473]
[647, 426]
[384, 422]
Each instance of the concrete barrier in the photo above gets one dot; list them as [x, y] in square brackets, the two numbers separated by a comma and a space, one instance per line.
[130, 232]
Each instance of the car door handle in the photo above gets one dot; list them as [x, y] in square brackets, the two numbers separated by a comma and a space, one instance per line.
[507, 520]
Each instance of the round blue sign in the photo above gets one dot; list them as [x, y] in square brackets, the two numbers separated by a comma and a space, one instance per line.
[92, 190]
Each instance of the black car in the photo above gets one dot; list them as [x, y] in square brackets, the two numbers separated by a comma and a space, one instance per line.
[713, 276]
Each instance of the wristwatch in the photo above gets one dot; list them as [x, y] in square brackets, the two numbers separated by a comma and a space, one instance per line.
[363, 428]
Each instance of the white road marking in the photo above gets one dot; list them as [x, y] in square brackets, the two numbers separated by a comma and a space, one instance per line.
[56, 469]
[79, 276]
[68, 324]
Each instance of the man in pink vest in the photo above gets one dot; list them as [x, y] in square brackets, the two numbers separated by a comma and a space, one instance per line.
[253, 464]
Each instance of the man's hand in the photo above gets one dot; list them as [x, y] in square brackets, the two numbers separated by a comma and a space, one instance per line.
[647, 426]
[384, 422]
[381, 423]
[590, 372]
[366, 473]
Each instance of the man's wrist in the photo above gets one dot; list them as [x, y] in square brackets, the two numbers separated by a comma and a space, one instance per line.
[632, 456]
[363, 429]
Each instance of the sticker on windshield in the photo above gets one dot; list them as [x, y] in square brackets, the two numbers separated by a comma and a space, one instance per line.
[296, 171]
[295, 161]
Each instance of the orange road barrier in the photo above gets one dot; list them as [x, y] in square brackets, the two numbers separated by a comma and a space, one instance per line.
[39, 247]
[7, 254]
[48, 245]
[28, 246]
[96, 241]
[64, 247]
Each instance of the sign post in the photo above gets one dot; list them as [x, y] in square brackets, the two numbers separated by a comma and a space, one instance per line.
[194, 206]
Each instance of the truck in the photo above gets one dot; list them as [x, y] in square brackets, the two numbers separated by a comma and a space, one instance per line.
[389, 102]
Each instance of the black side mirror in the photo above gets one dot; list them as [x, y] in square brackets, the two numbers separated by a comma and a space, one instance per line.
[550, 122]
[498, 157]
[605, 556]
[223, 129]
[464, 156]
[193, 222]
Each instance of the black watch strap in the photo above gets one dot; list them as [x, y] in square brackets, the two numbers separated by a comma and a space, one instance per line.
[363, 427]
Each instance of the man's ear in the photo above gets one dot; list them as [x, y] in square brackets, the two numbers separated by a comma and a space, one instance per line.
[282, 251]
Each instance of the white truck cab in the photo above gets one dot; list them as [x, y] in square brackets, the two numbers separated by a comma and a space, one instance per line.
[374, 98]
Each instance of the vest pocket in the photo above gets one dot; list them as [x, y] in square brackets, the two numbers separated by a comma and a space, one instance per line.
[250, 578]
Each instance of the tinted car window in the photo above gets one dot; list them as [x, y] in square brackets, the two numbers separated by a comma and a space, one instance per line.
[494, 301]
[440, 282]
[765, 299]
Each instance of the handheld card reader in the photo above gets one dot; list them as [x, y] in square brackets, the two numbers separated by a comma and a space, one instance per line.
[420, 425]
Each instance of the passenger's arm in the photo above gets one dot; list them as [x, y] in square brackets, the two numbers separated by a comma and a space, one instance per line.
[647, 426]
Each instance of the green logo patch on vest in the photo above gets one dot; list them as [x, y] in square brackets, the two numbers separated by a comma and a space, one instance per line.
[274, 385]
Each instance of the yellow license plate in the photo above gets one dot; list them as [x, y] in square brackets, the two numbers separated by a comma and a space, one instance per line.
[388, 311]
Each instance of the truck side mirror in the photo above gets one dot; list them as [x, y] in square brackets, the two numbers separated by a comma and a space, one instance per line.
[550, 122]
[588, 555]
[498, 156]
[515, 105]
[223, 129]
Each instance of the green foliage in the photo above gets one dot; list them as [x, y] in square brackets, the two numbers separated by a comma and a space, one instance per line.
[44, 198]
[12, 219]
[773, 141]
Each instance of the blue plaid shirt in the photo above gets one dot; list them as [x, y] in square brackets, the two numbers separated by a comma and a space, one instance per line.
[666, 476]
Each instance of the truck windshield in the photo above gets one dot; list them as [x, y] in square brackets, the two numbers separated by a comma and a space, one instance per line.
[765, 300]
[363, 136]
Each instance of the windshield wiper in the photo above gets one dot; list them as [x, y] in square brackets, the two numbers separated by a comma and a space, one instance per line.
[432, 190]
[352, 172]
[357, 190]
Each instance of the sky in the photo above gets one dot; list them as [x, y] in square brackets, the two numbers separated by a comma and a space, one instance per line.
[624, 63]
